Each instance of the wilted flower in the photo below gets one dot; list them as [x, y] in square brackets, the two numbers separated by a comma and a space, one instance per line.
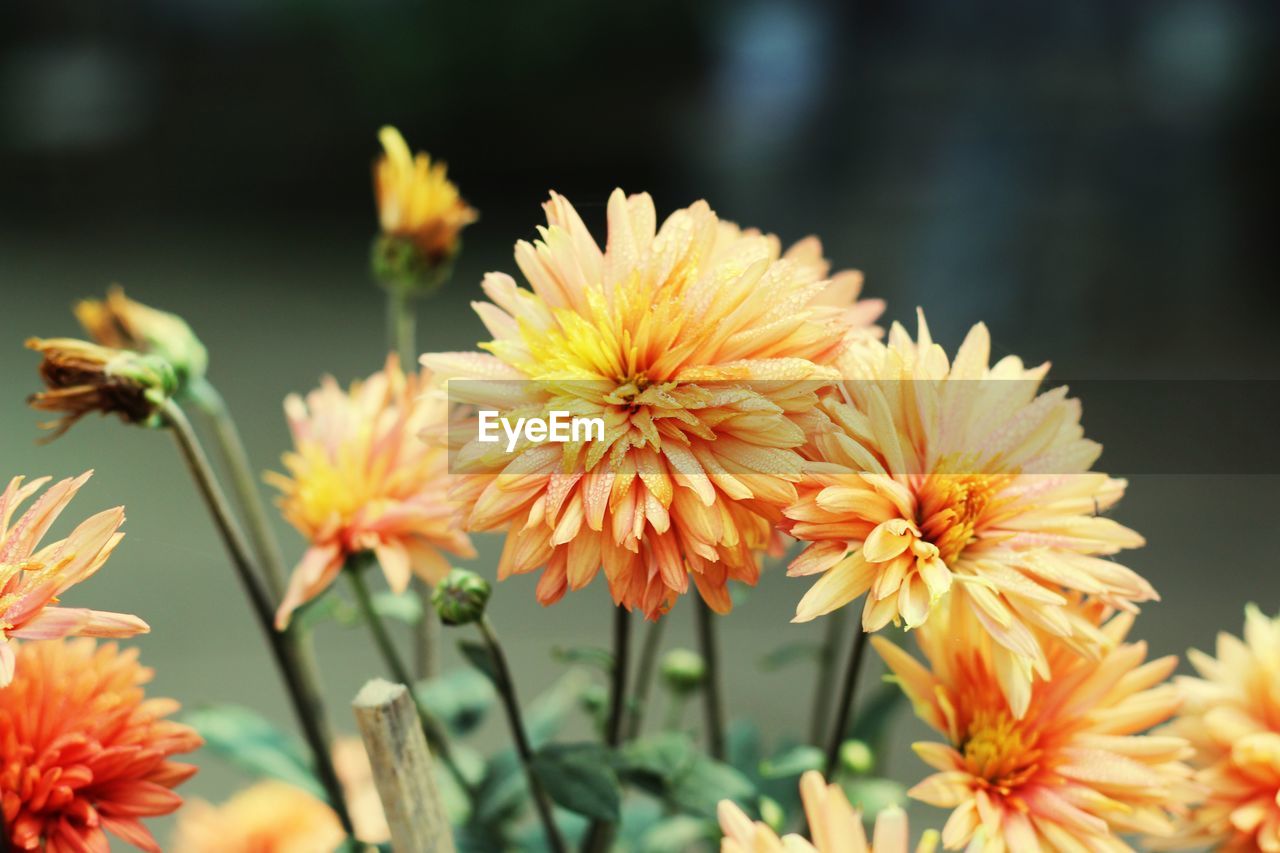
[83, 752]
[122, 323]
[1075, 772]
[361, 479]
[32, 579]
[834, 825]
[421, 214]
[700, 347]
[1231, 715]
[267, 817]
[82, 377]
[937, 476]
[461, 597]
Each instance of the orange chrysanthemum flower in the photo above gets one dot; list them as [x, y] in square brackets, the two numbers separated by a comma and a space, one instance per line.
[701, 347]
[362, 480]
[1075, 772]
[33, 578]
[835, 825]
[83, 752]
[935, 476]
[1231, 715]
[416, 199]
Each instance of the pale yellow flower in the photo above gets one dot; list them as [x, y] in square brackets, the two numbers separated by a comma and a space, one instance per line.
[361, 479]
[835, 826]
[1075, 772]
[936, 477]
[1231, 715]
[267, 817]
[701, 347]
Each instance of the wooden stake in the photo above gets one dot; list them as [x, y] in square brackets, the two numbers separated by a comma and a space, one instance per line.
[402, 768]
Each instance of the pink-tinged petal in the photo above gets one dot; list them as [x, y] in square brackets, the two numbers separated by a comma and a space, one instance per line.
[394, 560]
[944, 790]
[53, 623]
[318, 568]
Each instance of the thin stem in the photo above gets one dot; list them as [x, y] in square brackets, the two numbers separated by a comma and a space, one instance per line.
[644, 679]
[845, 708]
[402, 325]
[713, 699]
[230, 445]
[303, 693]
[600, 833]
[507, 690]
[431, 727]
[826, 669]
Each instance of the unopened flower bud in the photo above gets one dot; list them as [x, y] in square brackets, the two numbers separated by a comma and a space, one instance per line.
[683, 671]
[772, 813]
[122, 323]
[81, 377]
[856, 757]
[461, 597]
[421, 214]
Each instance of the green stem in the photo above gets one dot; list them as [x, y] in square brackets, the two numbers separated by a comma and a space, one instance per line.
[303, 692]
[600, 833]
[431, 727]
[826, 669]
[713, 699]
[230, 445]
[644, 679]
[845, 708]
[402, 336]
[507, 690]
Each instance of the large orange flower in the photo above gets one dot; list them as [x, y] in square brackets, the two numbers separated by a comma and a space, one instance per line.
[363, 480]
[1075, 772]
[701, 346]
[33, 578]
[1231, 715]
[936, 476]
[83, 752]
[836, 826]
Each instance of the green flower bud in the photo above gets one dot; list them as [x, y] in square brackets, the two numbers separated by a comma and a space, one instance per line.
[461, 597]
[683, 671]
[400, 266]
[772, 813]
[856, 757]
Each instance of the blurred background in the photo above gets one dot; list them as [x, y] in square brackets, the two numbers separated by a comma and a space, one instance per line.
[1090, 178]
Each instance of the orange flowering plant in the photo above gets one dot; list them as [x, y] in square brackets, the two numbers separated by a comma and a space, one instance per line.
[663, 411]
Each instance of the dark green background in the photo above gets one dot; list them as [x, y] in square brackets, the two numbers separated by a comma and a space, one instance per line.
[1091, 179]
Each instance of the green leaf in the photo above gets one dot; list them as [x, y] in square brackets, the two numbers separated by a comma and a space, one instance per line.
[479, 656]
[601, 659]
[545, 715]
[578, 777]
[874, 717]
[255, 745]
[402, 607]
[792, 762]
[330, 606]
[461, 698]
[791, 653]
[678, 833]
[872, 795]
[670, 766]
[700, 790]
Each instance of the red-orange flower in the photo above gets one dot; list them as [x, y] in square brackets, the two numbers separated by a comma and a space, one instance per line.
[84, 752]
[32, 578]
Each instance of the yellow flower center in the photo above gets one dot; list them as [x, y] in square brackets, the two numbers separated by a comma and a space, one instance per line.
[1000, 749]
[953, 507]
